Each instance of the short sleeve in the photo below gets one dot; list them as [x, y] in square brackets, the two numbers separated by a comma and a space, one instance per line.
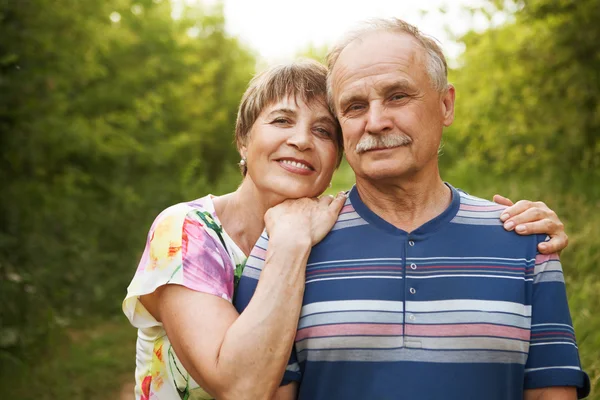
[179, 250]
[553, 354]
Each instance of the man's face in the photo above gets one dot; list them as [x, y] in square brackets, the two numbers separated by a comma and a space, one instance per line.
[391, 115]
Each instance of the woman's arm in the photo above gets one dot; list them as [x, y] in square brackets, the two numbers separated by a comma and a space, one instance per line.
[551, 393]
[239, 357]
[287, 392]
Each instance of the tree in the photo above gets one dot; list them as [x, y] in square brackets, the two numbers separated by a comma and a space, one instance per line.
[528, 94]
[110, 111]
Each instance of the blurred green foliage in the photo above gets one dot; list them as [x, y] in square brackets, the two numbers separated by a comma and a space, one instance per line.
[112, 110]
[109, 112]
[528, 95]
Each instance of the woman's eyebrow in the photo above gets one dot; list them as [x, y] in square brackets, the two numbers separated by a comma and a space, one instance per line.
[325, 118]
[283, 110]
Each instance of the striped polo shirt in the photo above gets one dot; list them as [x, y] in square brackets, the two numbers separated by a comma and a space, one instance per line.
[457, 309]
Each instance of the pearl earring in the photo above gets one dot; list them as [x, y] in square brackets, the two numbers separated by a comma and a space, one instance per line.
[243, 162]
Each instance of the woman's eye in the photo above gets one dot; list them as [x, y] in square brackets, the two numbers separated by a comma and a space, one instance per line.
[323, 131]
[281, 121]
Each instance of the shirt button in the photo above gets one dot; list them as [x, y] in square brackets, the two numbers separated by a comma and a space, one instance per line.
[411, 317]
[412, 290]
[413, 266]
[411, 243]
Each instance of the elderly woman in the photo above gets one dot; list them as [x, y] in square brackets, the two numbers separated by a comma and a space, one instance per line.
[192, 343]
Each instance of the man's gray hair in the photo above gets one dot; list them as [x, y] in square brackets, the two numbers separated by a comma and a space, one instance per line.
[437, 68]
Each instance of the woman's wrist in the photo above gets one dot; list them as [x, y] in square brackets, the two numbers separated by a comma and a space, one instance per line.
[290, 243]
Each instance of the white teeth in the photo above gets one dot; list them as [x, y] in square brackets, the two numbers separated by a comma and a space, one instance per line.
[295, 164]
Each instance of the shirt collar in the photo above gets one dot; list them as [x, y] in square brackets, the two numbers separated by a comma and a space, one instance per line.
[423, 230]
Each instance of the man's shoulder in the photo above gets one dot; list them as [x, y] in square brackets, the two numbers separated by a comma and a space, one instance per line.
[467, 198]
[478, 214]
[348, 217]
[474, 210]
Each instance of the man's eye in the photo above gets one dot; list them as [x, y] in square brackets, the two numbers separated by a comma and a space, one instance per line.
[398, 96]
[354, 107]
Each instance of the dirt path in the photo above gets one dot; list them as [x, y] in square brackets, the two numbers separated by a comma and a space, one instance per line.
[126, 392]
[127, 387]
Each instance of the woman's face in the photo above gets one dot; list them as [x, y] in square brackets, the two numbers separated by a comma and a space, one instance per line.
[291, 150]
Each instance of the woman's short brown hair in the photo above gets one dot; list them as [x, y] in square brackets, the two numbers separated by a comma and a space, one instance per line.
[305, 79]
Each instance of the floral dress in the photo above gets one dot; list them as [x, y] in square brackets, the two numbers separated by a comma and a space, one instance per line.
[186, 246]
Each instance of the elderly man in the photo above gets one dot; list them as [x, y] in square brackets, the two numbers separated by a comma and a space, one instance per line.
[418, 292]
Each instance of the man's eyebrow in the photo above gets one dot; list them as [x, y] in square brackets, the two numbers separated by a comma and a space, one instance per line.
[401, 85]
[348, 99]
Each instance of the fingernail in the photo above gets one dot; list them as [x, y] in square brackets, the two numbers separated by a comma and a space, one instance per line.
[509, 225]
[342, 193]
[520, 228]
[543, 246]
[504, 217]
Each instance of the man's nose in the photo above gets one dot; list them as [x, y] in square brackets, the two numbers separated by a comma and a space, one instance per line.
[378, 119]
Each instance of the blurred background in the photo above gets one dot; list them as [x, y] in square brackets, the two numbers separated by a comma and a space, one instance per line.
[112, 110]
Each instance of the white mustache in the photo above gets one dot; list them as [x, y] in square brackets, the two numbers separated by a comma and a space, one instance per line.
[382, 142]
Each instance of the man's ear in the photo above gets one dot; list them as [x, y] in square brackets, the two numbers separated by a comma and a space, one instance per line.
[448, 105]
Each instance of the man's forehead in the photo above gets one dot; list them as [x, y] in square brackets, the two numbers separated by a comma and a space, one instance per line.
[378, 47]
[381, 83]
[380, 58]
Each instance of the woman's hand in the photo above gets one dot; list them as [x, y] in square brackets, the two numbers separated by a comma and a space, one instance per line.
[528, 218]
[304, 219]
